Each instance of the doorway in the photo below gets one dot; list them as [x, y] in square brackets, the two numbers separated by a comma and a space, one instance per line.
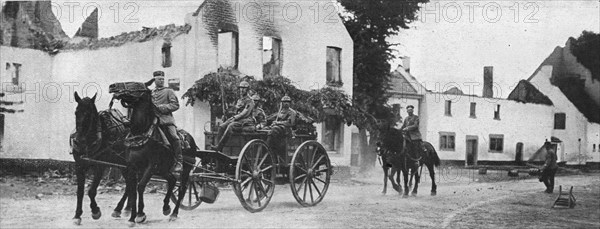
[471, 150]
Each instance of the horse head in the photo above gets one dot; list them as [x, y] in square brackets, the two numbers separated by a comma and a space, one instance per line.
[86, 116]
[138, 97]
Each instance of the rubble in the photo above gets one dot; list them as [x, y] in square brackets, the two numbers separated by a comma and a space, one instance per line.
[146, 34]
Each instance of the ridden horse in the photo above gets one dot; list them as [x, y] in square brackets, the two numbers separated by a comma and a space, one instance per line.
[88, 142]
[149, 157]
[415, 159]
[389, 149]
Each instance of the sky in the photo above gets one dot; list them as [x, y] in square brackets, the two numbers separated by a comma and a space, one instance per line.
[448, 45]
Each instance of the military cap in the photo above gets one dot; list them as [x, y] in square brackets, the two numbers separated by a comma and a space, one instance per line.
[158, 73]
[286, 99]
[410, 106]
[244, 84]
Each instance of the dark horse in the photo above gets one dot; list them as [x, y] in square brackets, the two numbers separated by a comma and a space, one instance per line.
[90, 140]
[149, 157]
[399, 154]
[415, 158]
[389, 150]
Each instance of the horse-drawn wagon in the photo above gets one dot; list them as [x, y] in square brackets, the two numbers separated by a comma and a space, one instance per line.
[253, 169]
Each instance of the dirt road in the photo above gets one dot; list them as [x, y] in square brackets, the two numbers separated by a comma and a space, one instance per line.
[462, 201]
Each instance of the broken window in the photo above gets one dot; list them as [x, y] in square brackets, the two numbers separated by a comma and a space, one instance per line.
[166, 55]
[332, 133]
[334, 76]
[496, 143]
[447, 141]
[228, 50]
[497, 112]
[1, 132]
[559, 121]
[14, 72]
[271, 56]
[448, 108]
[472, 113]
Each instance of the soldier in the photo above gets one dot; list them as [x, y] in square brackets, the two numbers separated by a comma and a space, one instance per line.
[549, 169]
[285, 119]
[258, 113]
[244, 107]
[411, 128]
[166, 103]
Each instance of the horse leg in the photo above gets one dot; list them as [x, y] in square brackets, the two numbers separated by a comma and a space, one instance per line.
[432, 175]
[141, 187]
[98, 171]
[406, 188]
[393, 172]
[117, 212]
[171, 180]
[415, 173]
[385, 178]
[185, 176]
[80, 172]
[130, 189]
[398, 185]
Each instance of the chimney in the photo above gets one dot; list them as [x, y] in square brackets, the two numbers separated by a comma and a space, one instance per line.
[488, 82]
[406, 63]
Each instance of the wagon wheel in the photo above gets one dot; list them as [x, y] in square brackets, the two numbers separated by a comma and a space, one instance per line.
[310, 172]
[255, 175]
[191, 199]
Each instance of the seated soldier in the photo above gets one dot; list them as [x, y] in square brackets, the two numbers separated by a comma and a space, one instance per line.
[244, 108]
[258, 113]
[284, 121]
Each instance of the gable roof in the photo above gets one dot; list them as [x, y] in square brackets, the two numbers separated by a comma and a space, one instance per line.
[403, 82]
[525, 92]
[570, 82]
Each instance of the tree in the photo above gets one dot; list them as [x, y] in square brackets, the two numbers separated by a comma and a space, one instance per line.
[587, 50]
[370, 23]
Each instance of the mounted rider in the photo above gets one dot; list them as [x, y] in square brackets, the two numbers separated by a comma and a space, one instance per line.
[166, 103]
[243, 117]
[410, 128]
[285, 119]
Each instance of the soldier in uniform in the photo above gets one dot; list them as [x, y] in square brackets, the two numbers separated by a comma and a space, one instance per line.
[166, 103]
[411, 128]
[258, 113]
[285, 119]
[549, 169]
[244, 107]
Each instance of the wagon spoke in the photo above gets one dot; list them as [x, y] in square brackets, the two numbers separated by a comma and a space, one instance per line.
[305, 184]
[263, 160]
[319, 179]
[189, 193]
[258, 152]
[304, 170]
[316, 188]
[317, 162]
[256, 193]
[250, 191]
[300, 186]
[311, 193]
[245, 183]
[267, 168]
[247, 172]
[261, 188]
[300, 177]
[322, 170]
[314, 153]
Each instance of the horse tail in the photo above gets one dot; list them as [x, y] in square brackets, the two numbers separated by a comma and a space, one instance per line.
[434, 156]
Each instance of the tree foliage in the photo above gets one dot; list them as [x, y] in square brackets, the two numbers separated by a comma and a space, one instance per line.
[316, 104]
[587, 50]
[370, 23]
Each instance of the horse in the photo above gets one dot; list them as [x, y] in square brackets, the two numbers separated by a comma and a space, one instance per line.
[149, 157]
[87, 141]
[414, 160]
[389, 150]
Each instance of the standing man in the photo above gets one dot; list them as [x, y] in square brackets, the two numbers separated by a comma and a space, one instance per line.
[166, 102]
[550, 167]
[285, 119]
[411, 127]
[244, 107]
